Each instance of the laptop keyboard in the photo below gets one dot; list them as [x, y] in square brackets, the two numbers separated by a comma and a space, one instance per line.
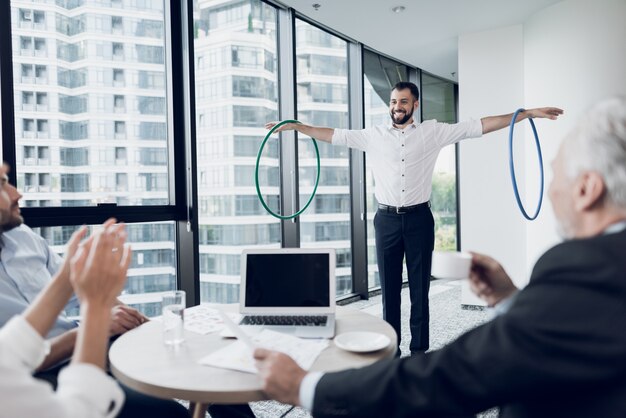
[284, 320]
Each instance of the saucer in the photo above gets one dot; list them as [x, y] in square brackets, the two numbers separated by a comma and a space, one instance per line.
[361, 341]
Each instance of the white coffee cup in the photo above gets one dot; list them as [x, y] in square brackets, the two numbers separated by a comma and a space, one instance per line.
[451, 265]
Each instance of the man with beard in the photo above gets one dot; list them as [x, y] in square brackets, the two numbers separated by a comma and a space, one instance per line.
[97, 272]
[27, 266]
[402, 156]
[555, 350]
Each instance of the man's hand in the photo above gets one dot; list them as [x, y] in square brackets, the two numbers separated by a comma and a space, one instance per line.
[489, 281]
[124, 318]
[285, 127]
[281, 376]
[494, 123]
[317, 132]
[545, 112]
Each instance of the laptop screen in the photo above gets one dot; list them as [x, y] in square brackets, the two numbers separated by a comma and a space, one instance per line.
[287, 280]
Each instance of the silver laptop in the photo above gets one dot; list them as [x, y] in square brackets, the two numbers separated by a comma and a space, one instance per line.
[290, 290]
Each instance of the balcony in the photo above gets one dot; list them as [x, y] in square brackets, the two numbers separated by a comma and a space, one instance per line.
[43, 135]
[28, 134]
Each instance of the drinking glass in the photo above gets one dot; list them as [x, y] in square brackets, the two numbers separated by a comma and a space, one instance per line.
[174, 317]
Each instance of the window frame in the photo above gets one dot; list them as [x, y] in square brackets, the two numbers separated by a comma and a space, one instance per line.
[181, 123]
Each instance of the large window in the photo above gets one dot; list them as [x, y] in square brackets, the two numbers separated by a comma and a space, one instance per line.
[91, 126]
[89, 78]
[99, 116]
[322, 99]
[438, 102]
[236, 94]
[380, 75]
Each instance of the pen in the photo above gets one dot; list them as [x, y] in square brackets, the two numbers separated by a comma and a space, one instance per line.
[241, 336]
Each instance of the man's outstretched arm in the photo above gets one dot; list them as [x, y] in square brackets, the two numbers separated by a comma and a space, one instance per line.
[317, 132]
[494, 123]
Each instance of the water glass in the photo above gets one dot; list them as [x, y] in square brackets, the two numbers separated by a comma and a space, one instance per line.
[174, 317]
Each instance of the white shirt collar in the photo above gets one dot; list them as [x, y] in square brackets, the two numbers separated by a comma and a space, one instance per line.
[391, 127]
[616, 227]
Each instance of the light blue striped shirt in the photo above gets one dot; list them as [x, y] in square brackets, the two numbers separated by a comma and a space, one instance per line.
[26, 266]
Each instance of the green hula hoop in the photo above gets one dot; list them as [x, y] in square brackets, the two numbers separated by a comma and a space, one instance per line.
[256, 173]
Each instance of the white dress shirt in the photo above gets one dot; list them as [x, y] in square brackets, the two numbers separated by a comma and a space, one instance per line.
[84, 390]
[403, 160]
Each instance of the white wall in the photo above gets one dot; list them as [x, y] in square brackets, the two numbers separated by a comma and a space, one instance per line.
[574, 55]
[568, 55]
[490, 83]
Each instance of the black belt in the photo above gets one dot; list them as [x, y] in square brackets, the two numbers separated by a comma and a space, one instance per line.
[402, 209]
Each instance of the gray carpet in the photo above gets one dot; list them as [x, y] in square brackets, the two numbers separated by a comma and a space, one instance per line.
[447, 321]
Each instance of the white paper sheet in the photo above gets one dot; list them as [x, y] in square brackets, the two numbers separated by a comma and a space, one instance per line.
[203, 319]
[237, 356]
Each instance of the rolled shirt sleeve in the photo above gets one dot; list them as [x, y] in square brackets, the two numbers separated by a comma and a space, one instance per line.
[21, 345]
[84, 390]
[451, 133]
[357, 139]
[89, 391]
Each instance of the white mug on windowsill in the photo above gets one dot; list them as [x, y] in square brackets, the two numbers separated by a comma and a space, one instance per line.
[451, 265]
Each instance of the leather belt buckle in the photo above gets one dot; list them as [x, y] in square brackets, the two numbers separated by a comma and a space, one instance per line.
[400, 211]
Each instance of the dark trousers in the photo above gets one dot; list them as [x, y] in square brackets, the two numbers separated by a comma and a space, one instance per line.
[411, 234]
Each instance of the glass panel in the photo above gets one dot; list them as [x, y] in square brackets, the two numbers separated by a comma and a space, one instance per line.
[152, 270]
[90, 78]
[438, 103]
[236, 94]
[380, 75]
[322, 83]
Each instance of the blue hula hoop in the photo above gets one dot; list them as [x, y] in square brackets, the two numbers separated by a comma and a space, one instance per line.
[512, 167]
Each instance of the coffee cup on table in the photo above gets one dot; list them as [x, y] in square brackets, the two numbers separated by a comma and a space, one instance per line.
[451, 265]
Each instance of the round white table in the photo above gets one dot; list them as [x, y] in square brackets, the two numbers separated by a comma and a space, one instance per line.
[140, 360]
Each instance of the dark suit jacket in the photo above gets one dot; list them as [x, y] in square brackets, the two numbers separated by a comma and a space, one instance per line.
[560, 351]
